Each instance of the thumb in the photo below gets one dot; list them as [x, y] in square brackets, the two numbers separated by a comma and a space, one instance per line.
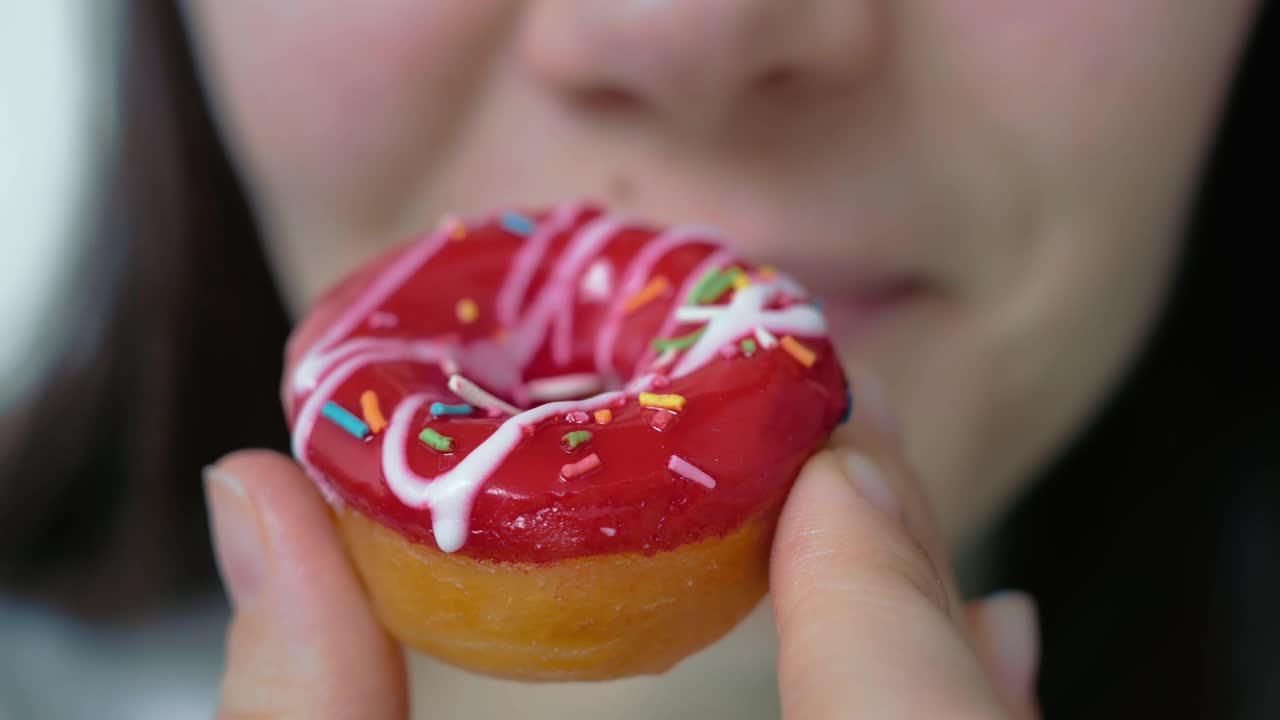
[869, 619]
[303, 642]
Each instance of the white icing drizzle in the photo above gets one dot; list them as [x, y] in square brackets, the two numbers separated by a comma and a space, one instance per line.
[450, 494]
[597, 282]
[637, 274]
[500, 365]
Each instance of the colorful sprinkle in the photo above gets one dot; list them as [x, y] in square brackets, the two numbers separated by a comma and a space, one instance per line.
[477, 395]
[678, 343]
[439, 408]
[795, 349]
[457, 229]
[372, 412]
[686, 469]
[848, 406]
[345, 420]
[467, 311]
[436, 441]
[748, 346]
[741, 281]
[767, 340]
[767, 272]
[578, 417]
[563, 387]
[655, 288]
[604, 416]
[609, 531]
[518, 224]
[660, 420]
[668, 402]
[576, 438]
[713, 285]
[700, 287]
[582, 467]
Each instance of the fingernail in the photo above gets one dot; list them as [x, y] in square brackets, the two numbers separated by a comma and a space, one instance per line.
[237, 536]
[870, 483]
[871, 404]
[1015, 641]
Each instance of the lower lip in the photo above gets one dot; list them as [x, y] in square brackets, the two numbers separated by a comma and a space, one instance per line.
[855, 314]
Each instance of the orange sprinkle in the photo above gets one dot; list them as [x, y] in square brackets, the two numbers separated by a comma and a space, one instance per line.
[650, 292]
[666, 402]
[604, 416]
[802, 354]
[372, 413]
[457, 230]
[767, 272]
[467, 311]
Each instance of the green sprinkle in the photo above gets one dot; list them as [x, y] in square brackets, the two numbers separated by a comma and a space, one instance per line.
[748, 346]
[678, 343]
[717, 286]
[576, 438]
[695, 295]
[436, 441]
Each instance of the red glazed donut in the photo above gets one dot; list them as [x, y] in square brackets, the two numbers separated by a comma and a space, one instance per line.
[557, 443]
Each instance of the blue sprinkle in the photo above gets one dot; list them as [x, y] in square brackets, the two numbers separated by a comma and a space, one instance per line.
[848, 406]
[439, 408]
[345, 420]
[518, 224]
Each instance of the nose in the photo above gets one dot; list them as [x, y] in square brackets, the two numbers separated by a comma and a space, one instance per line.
[696, 62]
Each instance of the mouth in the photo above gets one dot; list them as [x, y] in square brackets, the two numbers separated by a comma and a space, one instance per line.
[860, 308]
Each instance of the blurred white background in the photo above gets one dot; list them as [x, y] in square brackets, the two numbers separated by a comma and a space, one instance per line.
[46, 123]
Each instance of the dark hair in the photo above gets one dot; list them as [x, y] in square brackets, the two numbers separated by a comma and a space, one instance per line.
[1152, 545]
[172, 357]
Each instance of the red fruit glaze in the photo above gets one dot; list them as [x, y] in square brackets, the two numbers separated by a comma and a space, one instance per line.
[395, 327]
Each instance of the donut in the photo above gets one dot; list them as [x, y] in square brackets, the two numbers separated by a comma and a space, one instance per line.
[557, 442]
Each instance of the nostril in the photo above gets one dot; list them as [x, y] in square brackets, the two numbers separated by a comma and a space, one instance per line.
[608, 99]
[777, 79]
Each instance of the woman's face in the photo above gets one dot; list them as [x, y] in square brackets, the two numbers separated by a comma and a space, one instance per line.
[988, 194]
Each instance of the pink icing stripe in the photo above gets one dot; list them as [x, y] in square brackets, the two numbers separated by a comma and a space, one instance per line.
[529, 257]
[637, 274]
[315, 360]
[714, 260]
[686, 469]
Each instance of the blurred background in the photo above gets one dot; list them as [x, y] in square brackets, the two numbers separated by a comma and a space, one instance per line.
[46, 129]
[54, 63]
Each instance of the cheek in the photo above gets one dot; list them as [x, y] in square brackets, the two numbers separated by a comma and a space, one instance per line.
[330, 101]
[1080, 127]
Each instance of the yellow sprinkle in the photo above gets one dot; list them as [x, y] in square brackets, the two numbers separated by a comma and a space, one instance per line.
[604, 416]
[666, 402]
[467, 311]
[650, 292]
[372, 412]
[802, 354]
[741, 281]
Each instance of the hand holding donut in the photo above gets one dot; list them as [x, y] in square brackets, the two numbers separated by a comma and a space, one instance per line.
[578, 473]
[869, 622]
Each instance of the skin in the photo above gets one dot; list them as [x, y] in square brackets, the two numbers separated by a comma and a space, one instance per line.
[990, 197]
